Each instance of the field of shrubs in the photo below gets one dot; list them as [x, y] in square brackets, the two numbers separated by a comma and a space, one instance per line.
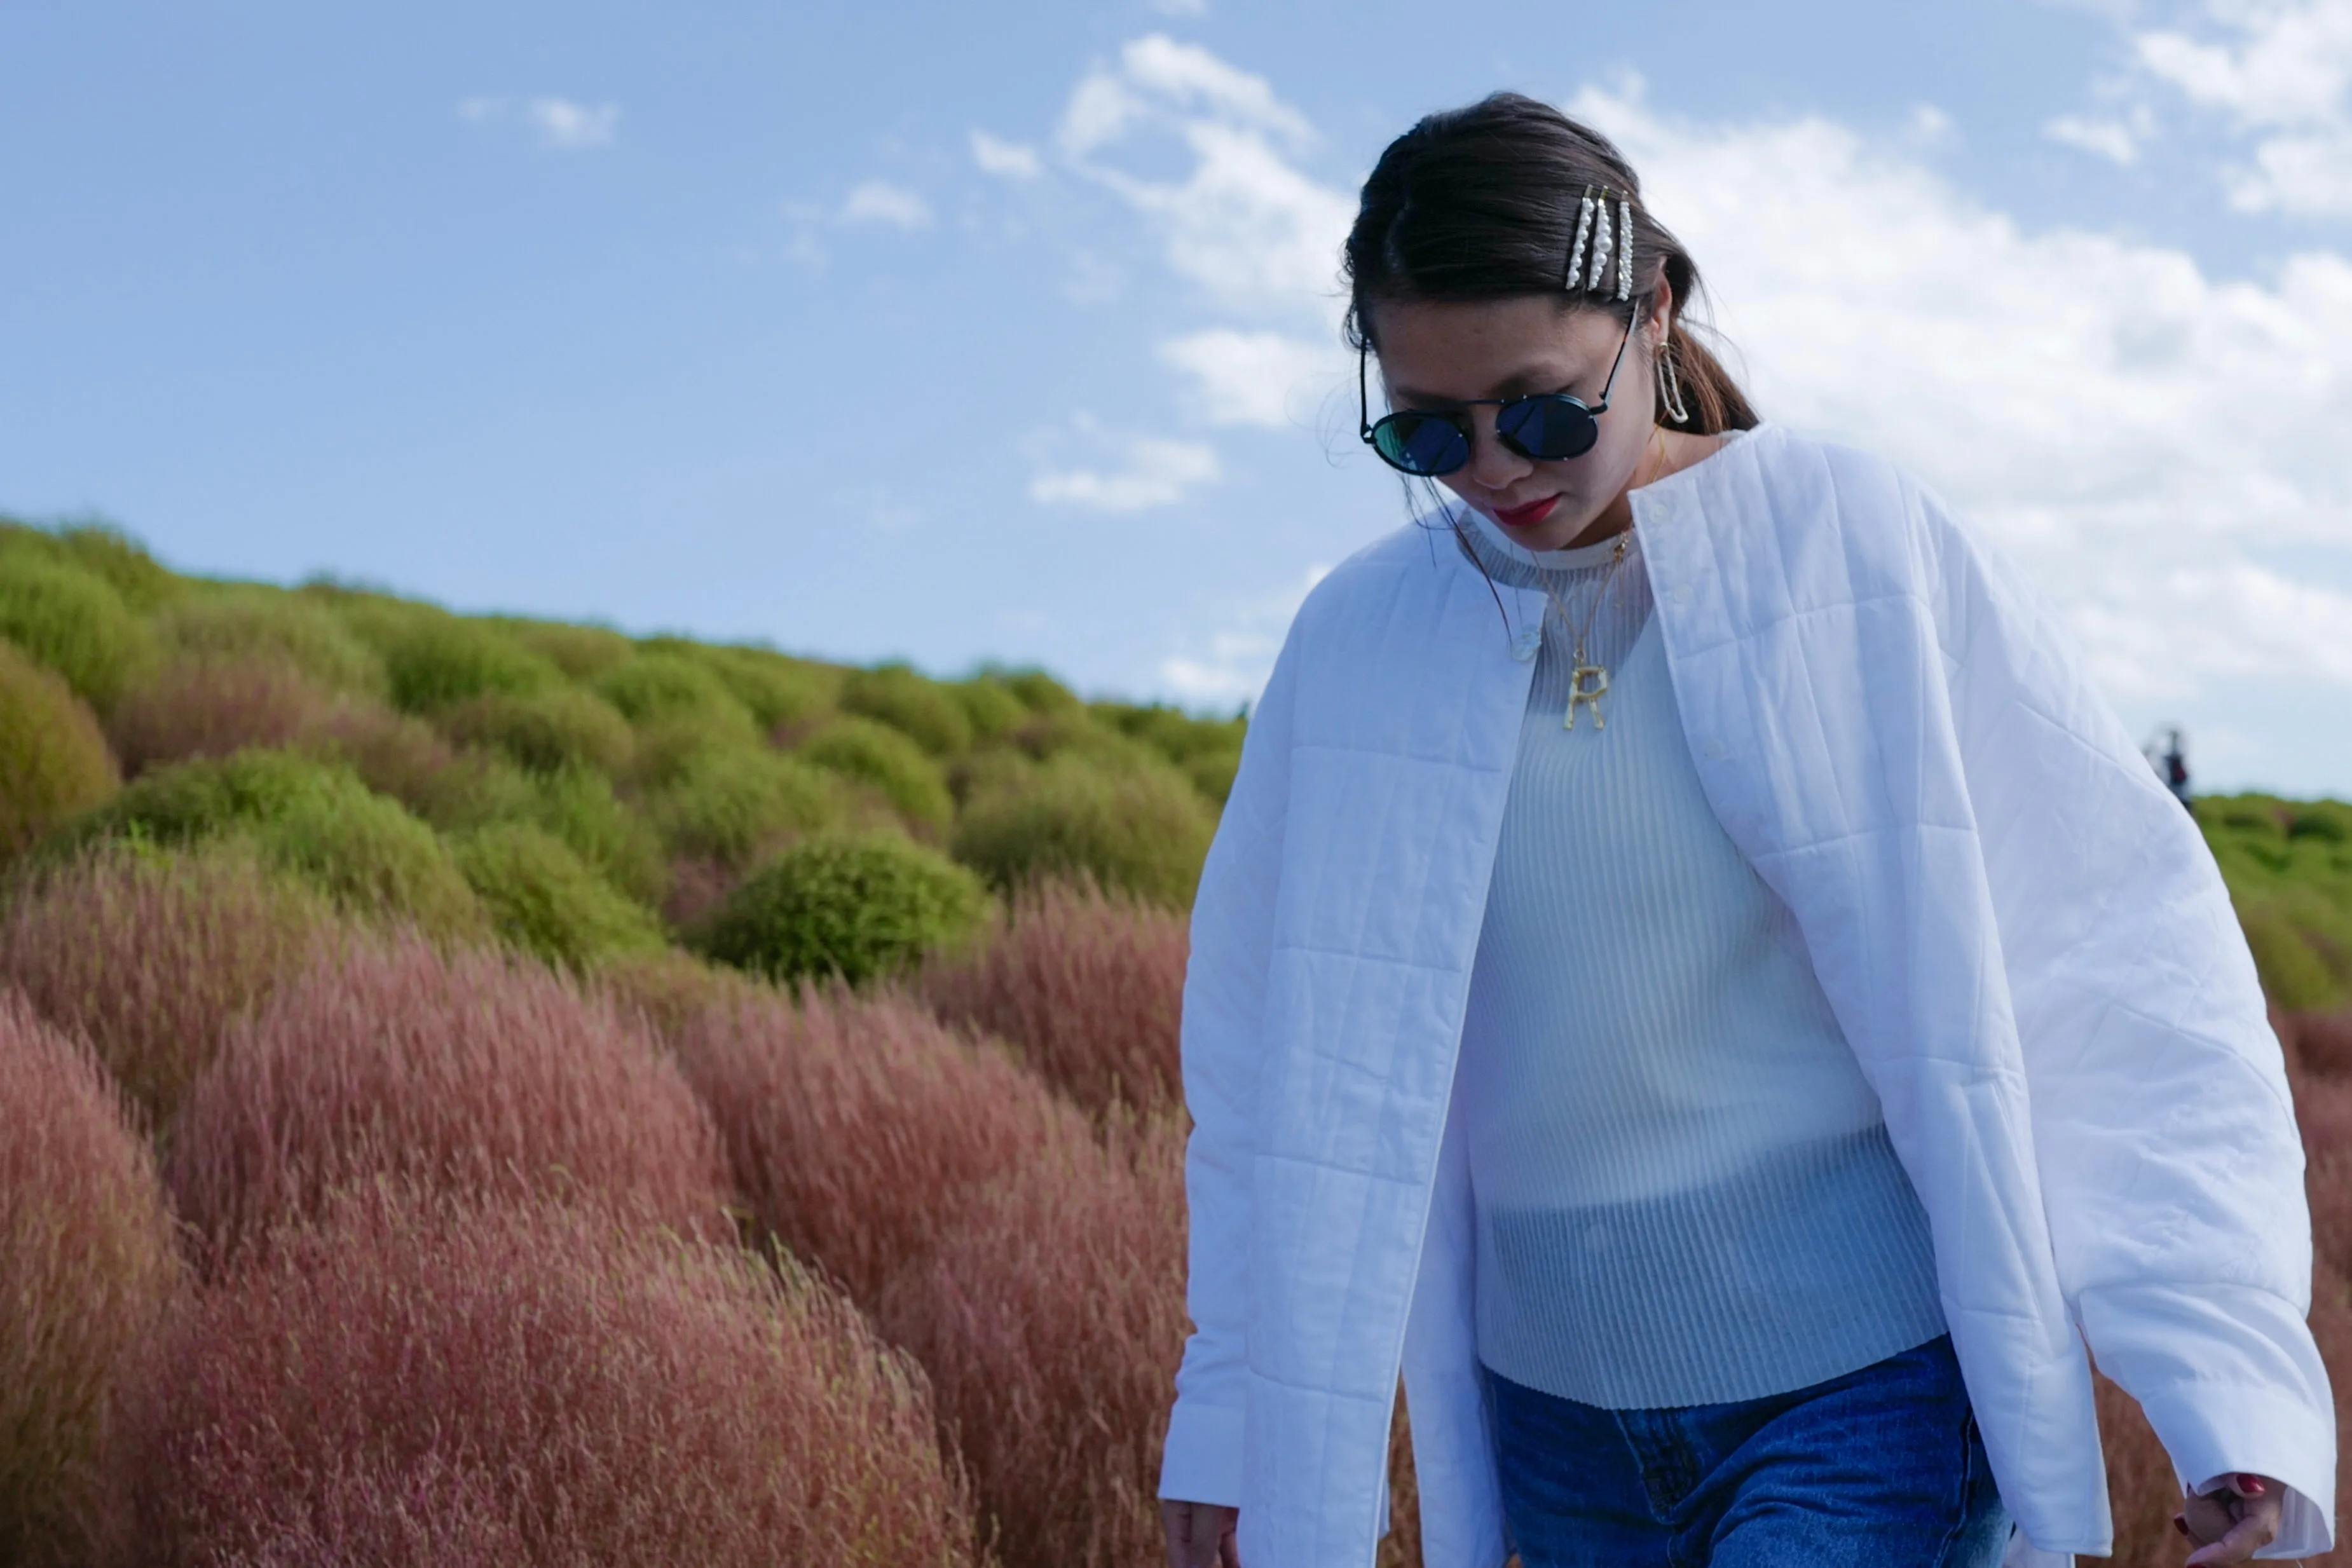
[483, 1091]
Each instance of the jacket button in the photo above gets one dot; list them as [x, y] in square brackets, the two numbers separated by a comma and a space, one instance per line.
[1524, 647]
[1715, 750]
[1682, 593]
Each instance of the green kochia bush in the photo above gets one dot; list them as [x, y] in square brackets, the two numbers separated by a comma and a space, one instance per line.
[731, 804]
[105, 552]
[989, 705]
[657, 687]
[1207, 751]
[899, 697]
[579, 808]
[313, 819]
[875, 754]
[778, 689]
[581, 652]
[1038, 691]
[1137, 831]
[574, 804]
[545, 900]
[441, 660]
[267, 623]
[53, 759]
[853, 904]
[72, 621]
[559, 727]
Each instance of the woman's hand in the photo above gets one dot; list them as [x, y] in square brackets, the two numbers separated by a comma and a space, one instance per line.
[1201, 1533]
[2232, 1524]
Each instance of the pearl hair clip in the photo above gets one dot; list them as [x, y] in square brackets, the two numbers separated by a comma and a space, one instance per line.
[1608, 242]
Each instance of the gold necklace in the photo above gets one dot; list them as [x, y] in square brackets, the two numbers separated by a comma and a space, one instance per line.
[1588, 683]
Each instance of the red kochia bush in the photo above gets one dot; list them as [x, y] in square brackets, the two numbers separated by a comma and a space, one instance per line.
[474, 1074]
[211, 708]
[151, 957]
[1051, 1321]
[417, 1383]
[1090, 987]
[85, 1268]
[860, 1127]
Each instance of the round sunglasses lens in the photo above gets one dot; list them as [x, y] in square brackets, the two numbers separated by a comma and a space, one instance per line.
[1421, 445]
[1549, 428]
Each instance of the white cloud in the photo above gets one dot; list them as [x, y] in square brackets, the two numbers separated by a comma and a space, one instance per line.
[573, 126]
[1234, 660]
[1249, 226]
[1249, 378]
[2276, 72]
[880, 202]
[1006, 160]
[2109, 138]
[1157, 76]
[560, 122]
[1930, 126]
[1149, 471]
[2151, 442]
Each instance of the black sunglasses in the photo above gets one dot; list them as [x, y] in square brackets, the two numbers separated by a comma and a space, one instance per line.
[1546, 427]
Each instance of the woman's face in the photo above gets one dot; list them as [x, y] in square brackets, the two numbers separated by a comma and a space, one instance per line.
[1436, 355]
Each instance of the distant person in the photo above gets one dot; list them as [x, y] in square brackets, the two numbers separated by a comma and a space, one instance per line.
[1694, 972]
[2176, 766]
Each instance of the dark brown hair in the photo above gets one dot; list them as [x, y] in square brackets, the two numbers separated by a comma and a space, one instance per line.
[1481, 204]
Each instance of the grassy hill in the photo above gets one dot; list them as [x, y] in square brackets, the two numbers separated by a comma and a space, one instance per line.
[579, 793]
[2289, 866]
[584, 794]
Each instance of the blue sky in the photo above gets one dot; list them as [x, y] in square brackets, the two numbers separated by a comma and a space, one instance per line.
[948, 332]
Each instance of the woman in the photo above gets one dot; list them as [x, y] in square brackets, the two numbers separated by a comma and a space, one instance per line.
[1692, 971]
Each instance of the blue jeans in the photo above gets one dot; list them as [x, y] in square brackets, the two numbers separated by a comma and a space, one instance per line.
[1879, 1469]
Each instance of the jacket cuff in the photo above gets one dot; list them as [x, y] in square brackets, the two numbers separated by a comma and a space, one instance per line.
[2302, 1529]
[2230, 1379]
[1202, 1462]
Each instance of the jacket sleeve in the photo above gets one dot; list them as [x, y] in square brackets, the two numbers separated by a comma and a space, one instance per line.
[1224, 1001]
[2168, 1158]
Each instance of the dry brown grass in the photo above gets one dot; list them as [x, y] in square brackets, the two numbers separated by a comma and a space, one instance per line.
[1051, 1321]
[860, 1127]
[86, 1267]
[1090, 987]
[471, 1074]
[416, 1383]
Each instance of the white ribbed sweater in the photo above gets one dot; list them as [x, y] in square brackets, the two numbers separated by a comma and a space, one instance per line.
[1684, 1187]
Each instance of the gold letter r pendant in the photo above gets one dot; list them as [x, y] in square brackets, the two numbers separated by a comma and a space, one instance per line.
[1585, 683]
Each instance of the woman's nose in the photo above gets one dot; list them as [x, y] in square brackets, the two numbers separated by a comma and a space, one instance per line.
[1493, 465]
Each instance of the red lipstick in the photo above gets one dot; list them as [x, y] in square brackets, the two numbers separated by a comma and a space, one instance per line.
[1529, 516]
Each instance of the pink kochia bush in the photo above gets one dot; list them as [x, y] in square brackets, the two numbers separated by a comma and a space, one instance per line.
[417, 1383]
[211, 708]
[1090, 987]
[1051, 1320]
[473, 1074]
[85, 1266]
[151, 957]
[860, 1127]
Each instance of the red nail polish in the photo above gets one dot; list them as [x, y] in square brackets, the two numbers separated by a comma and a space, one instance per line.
[2252, 1485]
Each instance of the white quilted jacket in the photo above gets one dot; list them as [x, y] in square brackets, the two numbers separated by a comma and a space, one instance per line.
[2023, 937]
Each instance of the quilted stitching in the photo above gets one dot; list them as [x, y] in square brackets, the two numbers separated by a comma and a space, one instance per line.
[1893, 729]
